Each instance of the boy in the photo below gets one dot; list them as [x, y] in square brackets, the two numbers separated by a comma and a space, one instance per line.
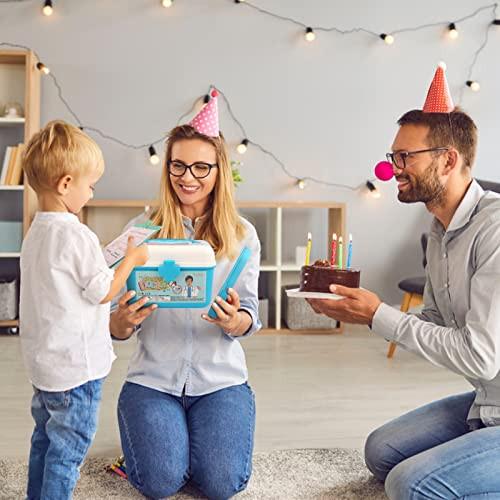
[66, 288]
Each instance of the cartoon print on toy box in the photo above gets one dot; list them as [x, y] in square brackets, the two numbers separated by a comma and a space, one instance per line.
[187, 287]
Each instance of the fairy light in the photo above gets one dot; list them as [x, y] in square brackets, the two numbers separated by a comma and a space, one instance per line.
[310, 36]
[48, 8]
[167, 3]
[474, 85]
[242, 147]
[41, 67]
[388, 39]
[153, 157]
[373, 189]
[452, 31]
[301, 184]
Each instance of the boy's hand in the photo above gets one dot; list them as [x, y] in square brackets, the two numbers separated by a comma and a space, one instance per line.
[139, 255]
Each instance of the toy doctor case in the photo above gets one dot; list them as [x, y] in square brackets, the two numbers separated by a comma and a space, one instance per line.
[179, 273]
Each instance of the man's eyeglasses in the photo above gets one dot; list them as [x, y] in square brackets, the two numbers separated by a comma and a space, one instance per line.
[398, 159]
[198, 170]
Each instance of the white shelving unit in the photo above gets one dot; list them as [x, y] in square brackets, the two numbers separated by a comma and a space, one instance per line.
[108, 217]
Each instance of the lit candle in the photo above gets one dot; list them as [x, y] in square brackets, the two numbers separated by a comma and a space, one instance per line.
[334, 249]
[349, 252]
[308, 248]
[340, 252]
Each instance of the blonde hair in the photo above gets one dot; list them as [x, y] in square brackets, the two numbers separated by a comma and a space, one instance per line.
[59, 149]
[222, 228]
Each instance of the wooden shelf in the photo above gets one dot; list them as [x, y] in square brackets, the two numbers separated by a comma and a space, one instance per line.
[9, 323]
[11, 188]
[11, 122]
[9, 255]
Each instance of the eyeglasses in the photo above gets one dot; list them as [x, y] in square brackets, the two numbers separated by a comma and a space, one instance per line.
[198, 170]
[398, 159]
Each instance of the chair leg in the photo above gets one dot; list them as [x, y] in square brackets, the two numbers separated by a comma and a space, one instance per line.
[405, 305]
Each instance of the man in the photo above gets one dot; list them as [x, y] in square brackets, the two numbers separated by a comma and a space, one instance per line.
[449, 448]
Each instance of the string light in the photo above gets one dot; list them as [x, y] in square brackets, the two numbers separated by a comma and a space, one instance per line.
[167, 3]
[47, 8]
[41, 67]
[373, 189]
[310, 36]
[496, 22]
[452, 31]
[474, 86]
[242, 147]
[388, 39]
[153, 157]
[301, 184]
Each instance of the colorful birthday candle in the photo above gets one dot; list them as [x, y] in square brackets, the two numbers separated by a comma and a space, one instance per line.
[349, 252]
[334, 249]
[308, 248]
[340, 252]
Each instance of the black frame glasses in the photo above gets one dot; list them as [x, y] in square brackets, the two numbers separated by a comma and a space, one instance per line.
[398, 158]
[180, 163]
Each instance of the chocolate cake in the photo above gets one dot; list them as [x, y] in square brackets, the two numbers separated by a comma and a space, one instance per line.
[319, 277]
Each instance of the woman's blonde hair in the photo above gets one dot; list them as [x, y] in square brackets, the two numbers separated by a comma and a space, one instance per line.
[222, 227]
[57, 150]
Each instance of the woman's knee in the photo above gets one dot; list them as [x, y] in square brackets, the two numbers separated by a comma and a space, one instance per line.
[380, 458]
[159, 484]
[220, 482]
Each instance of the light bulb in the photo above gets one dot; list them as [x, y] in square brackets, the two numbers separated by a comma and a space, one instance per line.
[388, 39]
[474, 86]
[41, 67]
[242, 147]
[452, 31]
[167, 3]
[47, 8]
[373, 189]
[301, 184]
[310, 35]
[153, 157]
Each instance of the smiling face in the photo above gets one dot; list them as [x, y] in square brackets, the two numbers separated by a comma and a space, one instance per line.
[421, 179]
[194, 193]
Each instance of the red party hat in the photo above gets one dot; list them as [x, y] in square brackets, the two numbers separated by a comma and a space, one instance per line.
[438, 97]
[206, 122]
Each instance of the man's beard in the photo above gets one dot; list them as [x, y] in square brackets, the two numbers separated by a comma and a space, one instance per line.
[425, 188]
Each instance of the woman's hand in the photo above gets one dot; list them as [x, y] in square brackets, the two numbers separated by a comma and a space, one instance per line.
[231, 320]
[128, 316]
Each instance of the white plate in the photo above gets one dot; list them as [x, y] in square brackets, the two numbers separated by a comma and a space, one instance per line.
[295, 292]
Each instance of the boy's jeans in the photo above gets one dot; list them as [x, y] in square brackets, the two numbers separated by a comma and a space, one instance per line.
[65, 425]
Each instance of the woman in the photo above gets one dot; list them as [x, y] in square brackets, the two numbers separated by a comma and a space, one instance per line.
[186, 412]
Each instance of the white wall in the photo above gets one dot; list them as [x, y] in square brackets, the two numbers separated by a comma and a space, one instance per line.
[327, 109]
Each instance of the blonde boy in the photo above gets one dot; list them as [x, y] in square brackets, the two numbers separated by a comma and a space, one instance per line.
[66, 288]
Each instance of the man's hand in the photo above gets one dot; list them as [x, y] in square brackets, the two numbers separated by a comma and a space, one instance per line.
[358, 305]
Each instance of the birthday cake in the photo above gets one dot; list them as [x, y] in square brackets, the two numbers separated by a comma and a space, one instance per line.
[319, 277]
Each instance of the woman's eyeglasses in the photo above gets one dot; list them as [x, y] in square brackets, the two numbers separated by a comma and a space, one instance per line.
[398, 159]
[198, 170]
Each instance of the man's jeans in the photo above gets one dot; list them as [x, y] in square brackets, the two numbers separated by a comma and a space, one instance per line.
[65, 425]
[431, 453]
[168, 440]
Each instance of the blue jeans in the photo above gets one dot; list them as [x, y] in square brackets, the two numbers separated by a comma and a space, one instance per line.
[170, 440]
[65, 425]
[431, 453]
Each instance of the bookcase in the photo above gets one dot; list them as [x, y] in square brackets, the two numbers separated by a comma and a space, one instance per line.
[19, 82]
[281, 226]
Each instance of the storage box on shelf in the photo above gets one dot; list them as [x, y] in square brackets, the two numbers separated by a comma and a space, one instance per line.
[281, 226]
[20, 83]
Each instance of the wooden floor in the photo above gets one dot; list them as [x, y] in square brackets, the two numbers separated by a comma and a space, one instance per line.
[312, 391]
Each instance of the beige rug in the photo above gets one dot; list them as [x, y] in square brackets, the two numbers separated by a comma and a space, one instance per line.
[289, 474]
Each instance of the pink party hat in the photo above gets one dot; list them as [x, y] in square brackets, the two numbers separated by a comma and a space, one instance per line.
[206, 122]
[438, 97]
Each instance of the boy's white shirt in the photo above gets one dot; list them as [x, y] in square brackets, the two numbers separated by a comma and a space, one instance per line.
[64, 329]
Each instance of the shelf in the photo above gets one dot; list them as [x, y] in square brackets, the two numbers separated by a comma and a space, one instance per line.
[11, 188]
[11, 122]
[290, 266]
[9, 323]
[9, 255]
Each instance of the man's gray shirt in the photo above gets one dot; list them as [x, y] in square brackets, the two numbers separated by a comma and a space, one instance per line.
[459, 326]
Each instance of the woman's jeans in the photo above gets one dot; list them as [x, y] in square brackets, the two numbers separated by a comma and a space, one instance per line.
[170, 440]
[431, 453]
[65, 425]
